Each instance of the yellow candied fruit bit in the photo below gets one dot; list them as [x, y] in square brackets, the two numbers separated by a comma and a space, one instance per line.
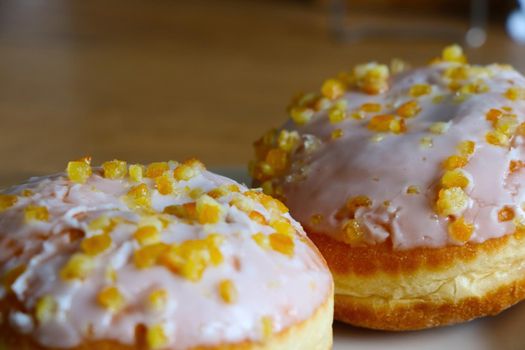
[358, 115]
[139, 196]
[157, 299]
[460, 230]
[418, 90]
[164, 184]
[288, 140]
[412, 189]
[506, 214]
[115, 169]
[136, 172]
[100, 223]
[96, 245]
[451, 201]
[282, 243]
[377, 138]
[7, 201]
[372, 78]
[520, 130]
[497, 138]
[277, 159]
[12, 275]
[516, 165]
[147, 235]
[183, 211]
[272, 204]
[336, 115]
[409, 109]
[301, 115]
[228, 291]
[156, 337]
[27, 193]
[336, 134]
[262, 240]
[156, 169]
[266, 327]
[515, 93]
[453, 53]
[426, 142]
[454, 162]
[454, 178]
[477, 87]
[191, 258]
[387, 123]
[36, 213]
[353, 233]
[79, 171]
[45, 309]
[111, 274]
[149, 255]
[493, 115]
[283, 226]
[316, 219]
[398, 66]
[111, 299]
[370, 107]
[209, 211]
[506, 124]
[333, 89]
[439, 127]
[257, 217]
[78, 267]
[466, 148]
[438, 99]
[187, 170]
[353, 203]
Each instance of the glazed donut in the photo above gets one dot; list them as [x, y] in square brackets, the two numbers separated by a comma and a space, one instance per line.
[410, 182]
[164, 256]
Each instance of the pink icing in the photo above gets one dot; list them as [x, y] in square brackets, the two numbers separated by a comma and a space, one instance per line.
[269, 284]
[355, 165]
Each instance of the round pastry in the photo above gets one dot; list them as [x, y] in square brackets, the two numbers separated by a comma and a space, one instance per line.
[410, 182]
[168, 256]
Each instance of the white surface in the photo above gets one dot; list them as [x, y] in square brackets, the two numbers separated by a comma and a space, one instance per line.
[502, 332]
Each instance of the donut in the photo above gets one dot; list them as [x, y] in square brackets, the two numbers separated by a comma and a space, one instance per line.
[164, 256]
[410, 183]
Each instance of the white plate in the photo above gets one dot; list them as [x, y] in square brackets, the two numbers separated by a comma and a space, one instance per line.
[503, 332]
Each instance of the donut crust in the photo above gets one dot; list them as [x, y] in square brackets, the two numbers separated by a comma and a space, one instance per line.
[381, 288]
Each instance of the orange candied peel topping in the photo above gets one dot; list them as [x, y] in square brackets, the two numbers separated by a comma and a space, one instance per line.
[156, 169]
[187, 170]
[157, 299]
[7, 201]
[147, 235]
[115, 169]
[453, 53]
[156, 337]
[460, 230]
[282, 243]
[409, 109]
[506, 214]
[79, 171]
[352, 232]
[164, 184]
[136, 172]
[111, 299]
[228, 291]
[209, 211]
[516, 165]
[418, 90]
[370, 107]
[96, 245]
[454, 162]
[439, 127]
[77, 268]
[36, 213]
[515, 93]
[387, 123]
[139, 196]
[257, 217]
[451, 201]
[412, 189]
[371, 78]
[333, 89]
[191, 258]
[454, 178]
[336, 134]
[149, 255]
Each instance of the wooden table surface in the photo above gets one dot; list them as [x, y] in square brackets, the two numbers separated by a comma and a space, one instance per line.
[156, 80]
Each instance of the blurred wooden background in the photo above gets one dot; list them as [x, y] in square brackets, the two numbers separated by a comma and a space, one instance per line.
[151, 80]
